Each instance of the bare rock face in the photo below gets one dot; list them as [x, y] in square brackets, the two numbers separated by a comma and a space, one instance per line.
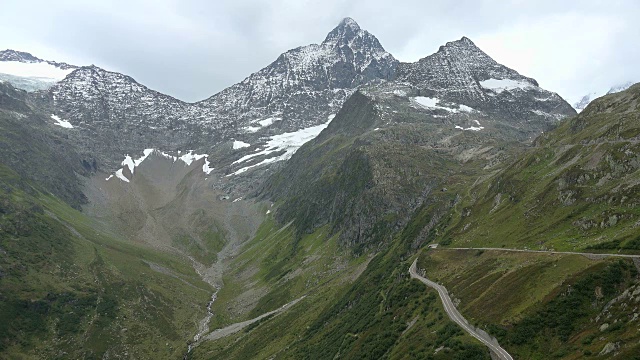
[609, 348]
[114, 115]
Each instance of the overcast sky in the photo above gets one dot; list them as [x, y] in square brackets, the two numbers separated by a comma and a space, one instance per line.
[192, 49]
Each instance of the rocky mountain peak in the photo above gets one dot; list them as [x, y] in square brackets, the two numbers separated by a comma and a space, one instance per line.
[305, 85]
[349, 22]
[462, 73]
[464, 50]
[349, 33]
[464, 42]
[25, 57]
[97, 73]
[346, 30]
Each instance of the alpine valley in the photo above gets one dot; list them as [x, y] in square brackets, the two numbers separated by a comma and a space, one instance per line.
[280, 217]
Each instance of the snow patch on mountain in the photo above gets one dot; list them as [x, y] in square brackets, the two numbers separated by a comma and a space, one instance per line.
[239, 145]
[500, 85]
[120, 176]
[471, 128]
[268, 121]
[206, 168]
[432, 103]
[187, 159]
[427, 101]
[131, 164]
[287, 142]
[263, 123]
[61, 122]
[190, 157]
[466, 108]
[40, 70]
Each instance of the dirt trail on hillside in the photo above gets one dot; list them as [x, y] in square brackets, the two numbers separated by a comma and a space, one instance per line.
[233, 328]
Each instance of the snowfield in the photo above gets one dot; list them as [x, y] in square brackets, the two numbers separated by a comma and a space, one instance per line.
[500, 85]
[432, 103]
[287, 142]
[471, 128]
[41, 71]
[240, 144]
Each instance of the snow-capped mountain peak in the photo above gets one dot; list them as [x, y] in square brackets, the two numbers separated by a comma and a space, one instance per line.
[462, 73]
[345, 32]
[620, 87]
[306, 84]
[347, 21]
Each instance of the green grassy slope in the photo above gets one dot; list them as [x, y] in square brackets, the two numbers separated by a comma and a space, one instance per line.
[71, 290]
[380, 313]
[578, 188]
[543, 306]
[349, 311]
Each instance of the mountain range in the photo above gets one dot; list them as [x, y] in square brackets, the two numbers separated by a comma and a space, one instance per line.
[279, 217]
[114, 115]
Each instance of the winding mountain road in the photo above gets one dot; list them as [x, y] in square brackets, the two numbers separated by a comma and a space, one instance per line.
[589, 255]
[455, 315]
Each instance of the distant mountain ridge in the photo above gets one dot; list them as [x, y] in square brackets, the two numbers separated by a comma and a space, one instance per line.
[30, 73]
[25, 57]
[588, 98]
